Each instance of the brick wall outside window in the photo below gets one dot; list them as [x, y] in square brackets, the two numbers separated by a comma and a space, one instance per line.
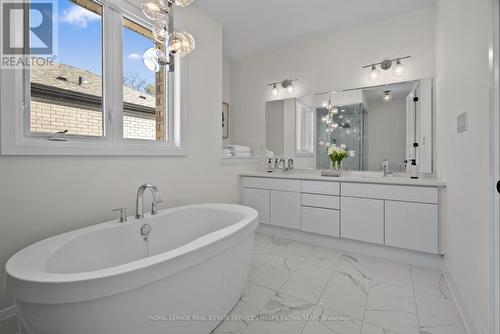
[50, 116]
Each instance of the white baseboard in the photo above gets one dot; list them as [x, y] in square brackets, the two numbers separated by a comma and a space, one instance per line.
[470, 315]
[7, 313]
[362, 248]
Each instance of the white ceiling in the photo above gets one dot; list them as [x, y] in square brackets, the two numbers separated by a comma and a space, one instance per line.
[255, 25]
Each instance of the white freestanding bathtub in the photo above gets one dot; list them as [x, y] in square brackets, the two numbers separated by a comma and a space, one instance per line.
[101, 279]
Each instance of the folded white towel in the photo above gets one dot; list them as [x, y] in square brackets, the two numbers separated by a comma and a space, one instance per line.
[238, 148]
[243, 154]
[226, 151]
[227, 156]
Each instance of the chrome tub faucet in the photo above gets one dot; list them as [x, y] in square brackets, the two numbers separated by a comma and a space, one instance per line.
[139, 204]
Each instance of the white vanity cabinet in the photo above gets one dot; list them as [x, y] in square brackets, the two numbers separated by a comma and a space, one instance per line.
[259, 200]
[398, 215]
[392, 215]
[285, 209]
[276, 200]
[412, 225]
[362, 219]
[320, 207]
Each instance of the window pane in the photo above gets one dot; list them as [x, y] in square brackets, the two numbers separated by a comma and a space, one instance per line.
[144, 103]
[67, 97]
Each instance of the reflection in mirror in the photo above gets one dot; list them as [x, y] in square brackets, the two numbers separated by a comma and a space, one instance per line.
[377, 123]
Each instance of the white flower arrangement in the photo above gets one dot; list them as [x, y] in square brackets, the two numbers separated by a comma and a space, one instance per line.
[338, 153]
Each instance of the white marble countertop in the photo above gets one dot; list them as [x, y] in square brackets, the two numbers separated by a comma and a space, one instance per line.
[353, 177]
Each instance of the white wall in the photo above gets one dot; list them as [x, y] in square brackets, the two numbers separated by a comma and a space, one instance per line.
[386, 133]
[462, 83]
[226, 81]
[44, 196]
[330, 62]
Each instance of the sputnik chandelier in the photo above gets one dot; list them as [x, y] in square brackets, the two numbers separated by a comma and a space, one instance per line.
[168, 42]
[329, 118]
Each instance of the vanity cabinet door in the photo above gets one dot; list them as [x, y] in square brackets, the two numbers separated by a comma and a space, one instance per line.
[321, 221]
[362, 219]
[285, 209]
[412, 226]
[259, 200]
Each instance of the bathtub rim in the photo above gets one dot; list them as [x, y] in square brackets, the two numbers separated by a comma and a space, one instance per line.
[17, 271]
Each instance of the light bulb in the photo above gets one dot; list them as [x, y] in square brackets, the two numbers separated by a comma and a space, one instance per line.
[275, 90]
[180, 43]
[289, 89]
[335, 111]
[387, 96]
[154, 9]
[373, 73]
[174, 43]
[399, 68]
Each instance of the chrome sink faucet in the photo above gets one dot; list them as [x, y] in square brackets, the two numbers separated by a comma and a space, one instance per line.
[283, 162]
[139, 204]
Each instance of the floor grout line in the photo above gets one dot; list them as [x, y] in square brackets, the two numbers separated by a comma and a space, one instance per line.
[415, 296]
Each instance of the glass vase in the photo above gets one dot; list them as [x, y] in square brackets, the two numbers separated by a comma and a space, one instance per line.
[336, 168]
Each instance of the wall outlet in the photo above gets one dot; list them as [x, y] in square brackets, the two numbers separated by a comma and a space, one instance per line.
[463, 122]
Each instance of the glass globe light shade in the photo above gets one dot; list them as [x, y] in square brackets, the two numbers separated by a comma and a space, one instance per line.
[181, 3]
[160, 31]
[387, 97]
[154, 9]
[399, 68]
[373, 73]
[153, 59]
[181, 43]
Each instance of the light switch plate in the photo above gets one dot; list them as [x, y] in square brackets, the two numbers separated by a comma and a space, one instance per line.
[463, 122]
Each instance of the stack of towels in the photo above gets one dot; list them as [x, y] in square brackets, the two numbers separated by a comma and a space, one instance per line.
[238, 151]
[226, 153]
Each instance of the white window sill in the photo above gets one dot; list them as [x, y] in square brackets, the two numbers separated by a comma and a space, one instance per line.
[91, 148]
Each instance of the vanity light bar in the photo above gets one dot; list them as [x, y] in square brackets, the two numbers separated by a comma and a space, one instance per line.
[286, 84]
[387, 63]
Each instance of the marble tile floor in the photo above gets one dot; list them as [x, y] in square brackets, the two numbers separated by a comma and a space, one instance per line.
[299, 288]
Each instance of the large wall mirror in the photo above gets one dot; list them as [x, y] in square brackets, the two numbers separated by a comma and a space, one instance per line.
[392, 122]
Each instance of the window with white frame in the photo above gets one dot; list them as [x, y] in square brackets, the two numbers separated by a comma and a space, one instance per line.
[97, 98]
[304, 128]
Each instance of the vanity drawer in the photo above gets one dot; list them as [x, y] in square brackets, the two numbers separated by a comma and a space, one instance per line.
[321, 221]
[272, 184]
[391, 192]
[321, 201]
[321, 187]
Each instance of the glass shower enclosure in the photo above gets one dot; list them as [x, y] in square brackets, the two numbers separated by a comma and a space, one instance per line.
[351, 131]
